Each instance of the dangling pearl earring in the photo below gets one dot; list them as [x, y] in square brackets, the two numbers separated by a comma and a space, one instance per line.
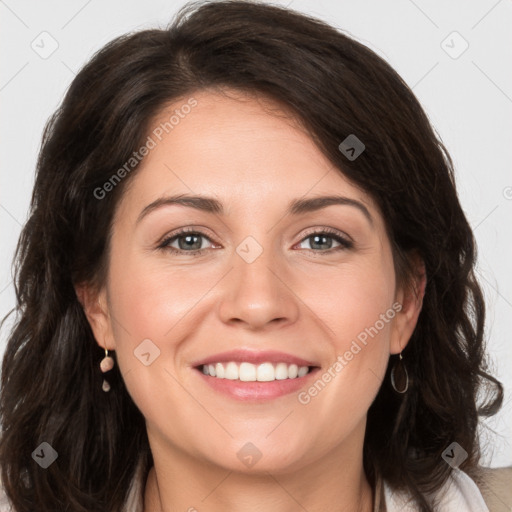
[107, 363]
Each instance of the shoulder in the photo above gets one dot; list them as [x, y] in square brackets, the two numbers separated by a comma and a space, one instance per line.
[486, 490]
[495, 484]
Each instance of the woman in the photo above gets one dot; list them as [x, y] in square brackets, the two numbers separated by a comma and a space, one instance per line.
[246, 283]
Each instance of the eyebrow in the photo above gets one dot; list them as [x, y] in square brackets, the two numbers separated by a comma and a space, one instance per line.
[295, 207]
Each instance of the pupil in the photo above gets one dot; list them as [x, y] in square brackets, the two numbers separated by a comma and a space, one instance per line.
[189, 241]
[321, 237]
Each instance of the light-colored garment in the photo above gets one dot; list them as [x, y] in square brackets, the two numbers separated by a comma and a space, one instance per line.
[459, 494]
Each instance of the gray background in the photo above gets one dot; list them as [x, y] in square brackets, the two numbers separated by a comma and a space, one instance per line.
[466, 94]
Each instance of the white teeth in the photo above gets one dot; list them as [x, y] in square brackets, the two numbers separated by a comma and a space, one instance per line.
[303, 370]
[281, 371]
[293, 370]
[219, 371]
[248, 372]
[231, 371]
[265, 372]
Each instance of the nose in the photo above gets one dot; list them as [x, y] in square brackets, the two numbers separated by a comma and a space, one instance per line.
[256, 293]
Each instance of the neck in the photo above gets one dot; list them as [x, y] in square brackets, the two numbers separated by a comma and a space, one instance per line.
[335, 483]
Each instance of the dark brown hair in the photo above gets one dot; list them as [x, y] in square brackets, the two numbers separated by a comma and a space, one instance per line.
[335, 86]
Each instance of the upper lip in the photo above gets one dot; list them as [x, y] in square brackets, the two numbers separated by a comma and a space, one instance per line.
[254, 357]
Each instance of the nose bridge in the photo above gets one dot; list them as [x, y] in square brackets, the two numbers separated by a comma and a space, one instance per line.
[257, 294]
[252, 262]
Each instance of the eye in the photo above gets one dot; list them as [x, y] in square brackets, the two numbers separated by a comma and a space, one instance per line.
[188, 241]
[323, 240]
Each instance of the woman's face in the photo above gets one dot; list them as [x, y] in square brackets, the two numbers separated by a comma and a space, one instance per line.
[267, 278]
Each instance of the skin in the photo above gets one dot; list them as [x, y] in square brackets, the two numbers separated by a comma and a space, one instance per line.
[298, 296]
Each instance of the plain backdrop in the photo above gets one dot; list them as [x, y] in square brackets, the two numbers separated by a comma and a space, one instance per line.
[456, 56]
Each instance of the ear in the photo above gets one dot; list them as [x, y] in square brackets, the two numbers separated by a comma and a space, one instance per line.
[95, 308]
[411, 300]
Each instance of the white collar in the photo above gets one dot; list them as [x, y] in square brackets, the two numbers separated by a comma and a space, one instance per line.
[459, 494]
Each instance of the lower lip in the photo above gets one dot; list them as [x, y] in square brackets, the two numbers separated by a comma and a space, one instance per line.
[256, 391]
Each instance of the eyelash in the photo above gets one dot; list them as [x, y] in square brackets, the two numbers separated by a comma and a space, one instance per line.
[344, 243]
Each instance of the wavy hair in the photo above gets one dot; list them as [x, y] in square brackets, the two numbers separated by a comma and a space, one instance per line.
[335, 86]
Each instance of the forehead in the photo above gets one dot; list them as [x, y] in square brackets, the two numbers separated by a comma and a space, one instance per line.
[237, 147]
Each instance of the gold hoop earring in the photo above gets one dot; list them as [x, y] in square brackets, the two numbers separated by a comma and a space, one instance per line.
[403, 377]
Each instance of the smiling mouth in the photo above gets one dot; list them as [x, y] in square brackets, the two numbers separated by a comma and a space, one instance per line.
[248, 372]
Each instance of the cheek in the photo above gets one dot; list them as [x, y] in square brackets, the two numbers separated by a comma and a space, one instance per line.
[151, 308]
[351, 298]
[364, 301]
[150, 298]
[358, 311]
[156, 308]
